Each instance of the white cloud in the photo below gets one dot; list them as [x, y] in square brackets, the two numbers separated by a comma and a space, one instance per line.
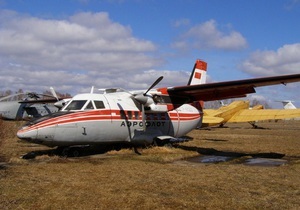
[82, 50]
[208, 36]
[285, 60]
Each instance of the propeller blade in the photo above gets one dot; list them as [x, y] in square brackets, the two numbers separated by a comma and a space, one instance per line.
[154, 84]
[143, 118]
[53, 93]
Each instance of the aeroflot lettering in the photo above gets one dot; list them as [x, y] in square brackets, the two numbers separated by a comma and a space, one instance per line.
[140, 124]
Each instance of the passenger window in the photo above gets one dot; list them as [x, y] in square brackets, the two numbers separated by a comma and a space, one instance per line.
[99, 104]
[89, 106]
[137, 115]
[129, 113]
[76, 105]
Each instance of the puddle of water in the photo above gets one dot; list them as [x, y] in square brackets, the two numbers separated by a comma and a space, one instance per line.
[265, 162]
[248, 161]
[210, 159]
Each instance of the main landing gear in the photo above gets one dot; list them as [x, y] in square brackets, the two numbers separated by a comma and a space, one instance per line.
[69, 151]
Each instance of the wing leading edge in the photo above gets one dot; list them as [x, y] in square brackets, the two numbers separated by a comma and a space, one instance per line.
[229, 89]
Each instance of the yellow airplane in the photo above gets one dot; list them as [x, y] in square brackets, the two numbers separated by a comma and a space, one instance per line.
[239, 111]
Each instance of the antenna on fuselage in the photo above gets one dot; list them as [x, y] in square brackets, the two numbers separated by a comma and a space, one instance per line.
[92, 89]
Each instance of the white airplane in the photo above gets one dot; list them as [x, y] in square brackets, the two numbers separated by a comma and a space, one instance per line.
[156, 116]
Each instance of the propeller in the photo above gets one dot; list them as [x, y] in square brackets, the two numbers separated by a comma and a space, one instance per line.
[59, 103]
[143, 117]
[154, 84]
[53, 93]
[143, 100]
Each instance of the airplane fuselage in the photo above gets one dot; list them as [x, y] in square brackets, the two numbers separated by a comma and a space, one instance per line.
[108, 118]
[12, 110]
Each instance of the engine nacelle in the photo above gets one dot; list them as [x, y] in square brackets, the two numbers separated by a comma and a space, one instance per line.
[151, 105]
[156, 108]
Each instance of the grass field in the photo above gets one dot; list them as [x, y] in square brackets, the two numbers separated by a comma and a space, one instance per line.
[160, 178]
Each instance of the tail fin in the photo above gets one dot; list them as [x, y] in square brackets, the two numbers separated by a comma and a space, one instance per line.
[198, 75]
[288, 105]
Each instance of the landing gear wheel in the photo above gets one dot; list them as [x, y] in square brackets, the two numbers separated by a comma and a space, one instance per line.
[158, 143]
[117, 147]
[61, 151]
[65, 152]
[74, 152]
[168, 145]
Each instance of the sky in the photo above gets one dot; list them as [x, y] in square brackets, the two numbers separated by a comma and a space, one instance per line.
[72, 45]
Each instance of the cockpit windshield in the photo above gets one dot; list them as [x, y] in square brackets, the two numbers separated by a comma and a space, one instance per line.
[75, 105]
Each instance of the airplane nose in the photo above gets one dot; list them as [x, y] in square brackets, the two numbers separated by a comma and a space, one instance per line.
[27, 135]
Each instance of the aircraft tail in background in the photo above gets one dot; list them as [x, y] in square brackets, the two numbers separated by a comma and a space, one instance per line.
[288, 104]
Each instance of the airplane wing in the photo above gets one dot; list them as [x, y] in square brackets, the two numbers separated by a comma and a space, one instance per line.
[230, 89]
[212, 120]
[211, 112]
[248, 115]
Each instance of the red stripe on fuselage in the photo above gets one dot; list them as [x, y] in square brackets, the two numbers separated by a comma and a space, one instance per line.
[106, 115]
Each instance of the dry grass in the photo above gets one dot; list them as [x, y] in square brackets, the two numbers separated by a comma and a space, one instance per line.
[160, 178]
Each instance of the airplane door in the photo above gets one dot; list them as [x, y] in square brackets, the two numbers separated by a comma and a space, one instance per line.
[107, 107]
[117, 129]
[125, 117]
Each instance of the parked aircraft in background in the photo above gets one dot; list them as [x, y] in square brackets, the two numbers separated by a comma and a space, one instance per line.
[287, 104]
[155, 116]
[24, 106]
[240, 111]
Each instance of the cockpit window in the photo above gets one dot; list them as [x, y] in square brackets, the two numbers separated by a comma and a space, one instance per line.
[99, 104]
[90, 105]
[76, 105]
